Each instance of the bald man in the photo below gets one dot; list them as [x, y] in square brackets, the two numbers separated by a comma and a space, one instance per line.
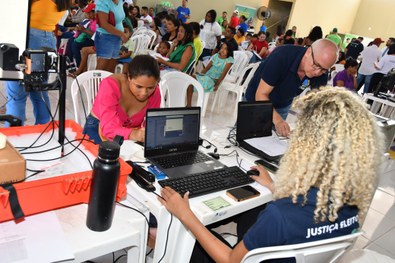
[287, 72]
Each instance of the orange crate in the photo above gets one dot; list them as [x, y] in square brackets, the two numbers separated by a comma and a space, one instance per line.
[56, 192]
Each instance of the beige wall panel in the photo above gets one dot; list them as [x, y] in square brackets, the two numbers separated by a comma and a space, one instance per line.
[328, 14]
[375, 18]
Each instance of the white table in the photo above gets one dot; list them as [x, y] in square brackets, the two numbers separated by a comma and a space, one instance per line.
[382, 107]
[176, 244]
[129, 230]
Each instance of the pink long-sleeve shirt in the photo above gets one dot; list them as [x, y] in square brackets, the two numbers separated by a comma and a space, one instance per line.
[113, 119]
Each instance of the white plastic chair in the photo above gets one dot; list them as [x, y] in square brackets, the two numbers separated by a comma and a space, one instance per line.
[174, 85]
[141, 44]
[89, 82]
[241, 60]
[152, 35]
[328, 251]
[139, 31]
[238, 88]
[92, 61]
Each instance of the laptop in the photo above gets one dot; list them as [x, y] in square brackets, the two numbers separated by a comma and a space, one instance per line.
[172, 142]
[255, 120]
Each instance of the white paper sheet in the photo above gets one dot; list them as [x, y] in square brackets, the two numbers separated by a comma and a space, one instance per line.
[38, 238]
[157, 55]
[271, 145]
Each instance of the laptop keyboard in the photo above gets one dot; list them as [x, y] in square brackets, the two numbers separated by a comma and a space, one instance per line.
[208, 182]
[181, 159]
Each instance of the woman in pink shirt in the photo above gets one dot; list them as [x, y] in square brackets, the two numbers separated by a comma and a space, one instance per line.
[122, 101]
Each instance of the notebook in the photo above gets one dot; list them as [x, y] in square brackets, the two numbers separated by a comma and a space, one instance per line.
[254, 130]
[172, 142]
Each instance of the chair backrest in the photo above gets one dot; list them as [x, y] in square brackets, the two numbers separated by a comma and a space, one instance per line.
[174, 85]
[328, 250]
[140, 23]
[152, 35]
[89, 82]
[250, 71]
[139, 31]
[141, 43]
[240, 62]
[92, 61]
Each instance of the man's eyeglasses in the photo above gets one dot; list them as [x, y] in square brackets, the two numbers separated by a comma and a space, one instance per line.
[315, 64]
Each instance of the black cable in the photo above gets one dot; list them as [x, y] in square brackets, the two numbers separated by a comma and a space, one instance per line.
[54, 148]
[134, 209]
[149, 252]
[31, 170]
[157, 195]
[211, 144]
[118, 258]
[56, 158]
[52, 122]
[229, 154]
[232, 136]
[31, 146]
[167, 238]
[75, 146]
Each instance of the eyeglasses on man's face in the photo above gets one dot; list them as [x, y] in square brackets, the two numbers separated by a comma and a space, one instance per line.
[317, 66]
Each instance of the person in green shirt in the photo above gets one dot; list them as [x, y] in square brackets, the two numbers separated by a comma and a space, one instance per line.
[182, 54]
[222, 19]
[335, 38]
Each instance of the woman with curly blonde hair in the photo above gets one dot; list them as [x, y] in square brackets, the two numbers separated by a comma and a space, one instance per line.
[324, 185]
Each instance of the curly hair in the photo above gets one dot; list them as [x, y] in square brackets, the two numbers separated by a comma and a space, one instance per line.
[336, 147]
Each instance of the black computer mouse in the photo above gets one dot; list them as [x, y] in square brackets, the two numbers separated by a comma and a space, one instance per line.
[253, 172]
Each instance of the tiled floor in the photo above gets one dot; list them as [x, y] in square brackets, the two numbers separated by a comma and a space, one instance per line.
[379, 226]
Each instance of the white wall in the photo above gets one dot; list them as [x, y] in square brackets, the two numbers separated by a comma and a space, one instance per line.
[375, 18]
[13, 23]
[306, 14]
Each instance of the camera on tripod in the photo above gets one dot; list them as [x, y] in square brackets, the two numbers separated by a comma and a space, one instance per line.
[37, 67]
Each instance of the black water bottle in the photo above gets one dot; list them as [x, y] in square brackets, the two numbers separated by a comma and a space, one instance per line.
[104, 187]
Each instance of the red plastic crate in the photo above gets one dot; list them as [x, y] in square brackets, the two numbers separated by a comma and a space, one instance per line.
[56, 192]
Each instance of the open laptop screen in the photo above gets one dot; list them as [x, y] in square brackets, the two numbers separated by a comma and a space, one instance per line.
[170, 130]
[254, 119]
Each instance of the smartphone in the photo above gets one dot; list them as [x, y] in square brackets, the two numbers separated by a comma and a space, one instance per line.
[242, 193]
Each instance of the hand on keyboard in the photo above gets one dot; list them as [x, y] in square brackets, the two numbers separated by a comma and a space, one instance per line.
[208, 182]
[174, 203]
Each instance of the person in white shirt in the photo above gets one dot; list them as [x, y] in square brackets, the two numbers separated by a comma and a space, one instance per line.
[146, 17]
[385, 64]
[370, 55]
[210, 33]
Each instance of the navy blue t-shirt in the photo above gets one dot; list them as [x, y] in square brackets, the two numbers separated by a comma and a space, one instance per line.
[280, 70]
[285, 223]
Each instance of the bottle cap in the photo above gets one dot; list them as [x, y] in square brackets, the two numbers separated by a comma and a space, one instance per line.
[109, 150]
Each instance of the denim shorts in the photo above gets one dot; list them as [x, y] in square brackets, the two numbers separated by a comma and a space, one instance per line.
[91, 129]
[107, 45]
